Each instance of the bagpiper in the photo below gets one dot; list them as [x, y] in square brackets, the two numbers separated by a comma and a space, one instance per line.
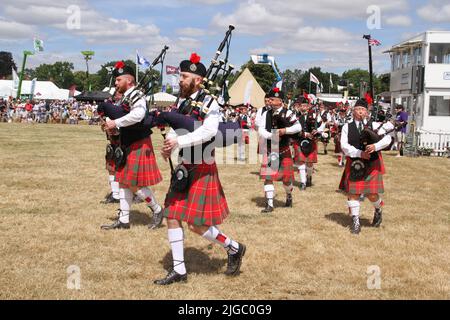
[277, 125]
[364, 169]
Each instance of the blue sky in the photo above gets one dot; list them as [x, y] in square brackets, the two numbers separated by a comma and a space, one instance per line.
[300, 34]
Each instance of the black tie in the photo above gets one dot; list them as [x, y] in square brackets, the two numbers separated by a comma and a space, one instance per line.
[360, 127]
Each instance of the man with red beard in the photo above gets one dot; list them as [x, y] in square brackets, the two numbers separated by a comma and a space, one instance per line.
[136, 170]
[196, 195]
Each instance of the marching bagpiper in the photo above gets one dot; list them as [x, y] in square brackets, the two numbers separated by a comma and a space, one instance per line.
[135, 167]
[363, 173]
[196, 195]
[245, 121]
[276, 126]
[305, 144]
[324, 121]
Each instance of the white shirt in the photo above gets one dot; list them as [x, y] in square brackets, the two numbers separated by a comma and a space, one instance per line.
[295, 128]
[352, 152]
[206, 131]
[136, 114]
[258, 118]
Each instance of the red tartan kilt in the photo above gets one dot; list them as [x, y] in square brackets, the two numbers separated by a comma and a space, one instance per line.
[299, 156]
[204, 203]
[337, 144]
[285, 172]
[371, 184]
[245, 136]
[141, 169]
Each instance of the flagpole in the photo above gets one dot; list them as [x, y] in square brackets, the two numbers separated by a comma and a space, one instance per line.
[137, 67]
[370, 67]
[309, 82]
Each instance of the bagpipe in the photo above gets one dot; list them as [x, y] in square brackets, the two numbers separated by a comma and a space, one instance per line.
[307, 143]
[141, 90]
[368, 136]
[228, 132]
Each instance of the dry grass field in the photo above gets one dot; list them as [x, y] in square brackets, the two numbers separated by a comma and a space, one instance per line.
[52, 178]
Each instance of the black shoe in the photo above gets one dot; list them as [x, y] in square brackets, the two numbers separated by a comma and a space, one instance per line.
[325, 151]
[171, 277]
[116, 225]
[309, 181]
[288, 203]
[356, 226]
[377, 218]
[267, 209]
[235, 261]
[302, 186]
[157, 219]
[110, 199]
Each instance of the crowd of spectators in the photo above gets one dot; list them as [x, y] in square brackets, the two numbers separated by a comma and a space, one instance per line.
[48, 111]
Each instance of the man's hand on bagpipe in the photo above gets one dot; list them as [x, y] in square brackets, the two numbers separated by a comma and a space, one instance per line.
[169, 145]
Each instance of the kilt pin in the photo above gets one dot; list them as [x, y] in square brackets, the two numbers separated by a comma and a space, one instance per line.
[141, 169]
[372, 183]
[203, 203]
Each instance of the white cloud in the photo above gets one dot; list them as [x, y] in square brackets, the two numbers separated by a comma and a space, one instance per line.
[435, 12]
[309, 39]
[398, 21]
[11, 30]
[256, 19]
[191, 32]
[330, 9]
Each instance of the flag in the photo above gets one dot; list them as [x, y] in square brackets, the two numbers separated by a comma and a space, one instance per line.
[172, 70]
[313, 78]
[38, 45]
[319, 87]
[331, 82]
[15, 78]
[374, 42]
[142, 61]
[368, 98]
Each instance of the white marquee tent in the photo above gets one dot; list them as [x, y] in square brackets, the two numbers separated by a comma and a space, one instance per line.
[43, 90]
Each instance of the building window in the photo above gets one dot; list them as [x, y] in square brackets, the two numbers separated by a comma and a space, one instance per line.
[440, 53]
[397, 57]
[418, 56]
[440, 106]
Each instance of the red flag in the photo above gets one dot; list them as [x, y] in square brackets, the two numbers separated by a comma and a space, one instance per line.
[172, 70]
[305, 94]
[368, 98]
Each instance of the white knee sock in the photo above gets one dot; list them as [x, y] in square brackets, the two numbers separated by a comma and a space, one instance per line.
[126, 199]
[288, 188]
[378, 204]
[214, 235]
[147, 195]
[309, 171]
[302, 171]
[269, 189]
[176, 240]
[114, 187]
[354, 206]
